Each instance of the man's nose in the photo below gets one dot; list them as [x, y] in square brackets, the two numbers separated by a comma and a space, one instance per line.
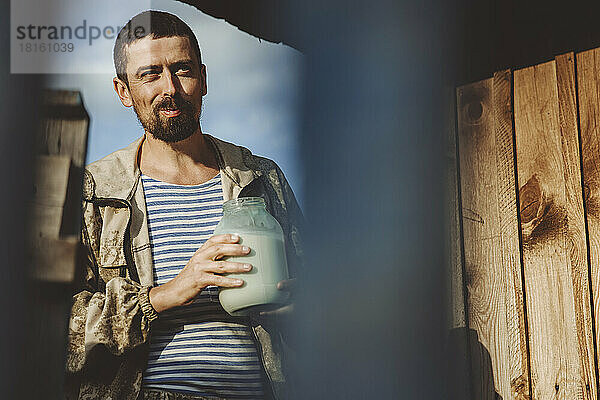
[169, 83]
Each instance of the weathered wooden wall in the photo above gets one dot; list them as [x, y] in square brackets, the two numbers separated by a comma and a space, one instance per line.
[527, 184]
[54, 205]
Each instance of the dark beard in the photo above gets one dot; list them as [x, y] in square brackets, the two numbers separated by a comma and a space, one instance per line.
[173, 129]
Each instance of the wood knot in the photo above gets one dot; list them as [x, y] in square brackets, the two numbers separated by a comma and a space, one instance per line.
[591, 203]
[474, 111]
[520, 387]
[541, 219]
[531, 199]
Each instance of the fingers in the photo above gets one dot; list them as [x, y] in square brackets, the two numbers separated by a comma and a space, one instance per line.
[220, 250]
[228, 267]
[219, 246]
[224, 281]
[225, 238]
[216, 240]
[288, 284]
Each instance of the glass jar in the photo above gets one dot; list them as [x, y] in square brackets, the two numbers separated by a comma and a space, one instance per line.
[257, 229]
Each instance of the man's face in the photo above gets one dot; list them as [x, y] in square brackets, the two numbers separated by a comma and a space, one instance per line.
[166, 85]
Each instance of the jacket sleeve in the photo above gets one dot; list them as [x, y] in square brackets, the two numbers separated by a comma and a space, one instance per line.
[115, 315]
[296, 226]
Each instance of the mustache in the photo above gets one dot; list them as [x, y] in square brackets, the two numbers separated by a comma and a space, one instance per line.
[174, 102]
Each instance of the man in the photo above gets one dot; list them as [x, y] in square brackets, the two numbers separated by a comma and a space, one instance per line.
[145, 323]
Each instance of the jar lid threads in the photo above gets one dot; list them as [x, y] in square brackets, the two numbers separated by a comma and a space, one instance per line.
[233, 204]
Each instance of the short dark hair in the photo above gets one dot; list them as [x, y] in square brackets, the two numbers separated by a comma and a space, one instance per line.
[157, 24]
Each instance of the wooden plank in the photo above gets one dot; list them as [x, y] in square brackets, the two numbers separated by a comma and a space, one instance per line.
[509, 231]
[53, 260]
[553, 232]
[63, 134]
[457, 316]
[567, 97]
[50, 179]
[64, 126]
[491, 247]
[65, 137]
[46, 221]
[62, 98]
[459, 387]
[588, 80]
[50, 182]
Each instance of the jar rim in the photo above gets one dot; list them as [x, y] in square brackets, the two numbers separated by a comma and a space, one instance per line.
[243, 202]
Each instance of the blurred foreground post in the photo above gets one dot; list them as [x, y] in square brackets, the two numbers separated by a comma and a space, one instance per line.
[371, 310]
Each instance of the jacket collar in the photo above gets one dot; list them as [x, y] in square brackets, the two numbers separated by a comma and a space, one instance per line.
[116, 176]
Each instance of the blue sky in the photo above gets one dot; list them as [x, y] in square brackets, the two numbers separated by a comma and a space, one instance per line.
[253, 88]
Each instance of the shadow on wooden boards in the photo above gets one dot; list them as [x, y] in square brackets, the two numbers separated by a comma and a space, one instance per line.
[474, 381]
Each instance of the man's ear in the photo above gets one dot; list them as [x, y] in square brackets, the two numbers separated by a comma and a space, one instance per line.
[123, 92]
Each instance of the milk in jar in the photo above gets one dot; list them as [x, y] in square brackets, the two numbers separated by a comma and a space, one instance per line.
[248, 218]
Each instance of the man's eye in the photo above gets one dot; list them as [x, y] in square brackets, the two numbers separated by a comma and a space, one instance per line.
[149, 74]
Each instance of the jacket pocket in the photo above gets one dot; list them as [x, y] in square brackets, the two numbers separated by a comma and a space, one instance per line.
[114, 226]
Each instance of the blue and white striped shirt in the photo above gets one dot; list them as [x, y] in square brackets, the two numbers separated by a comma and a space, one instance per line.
[198, 348]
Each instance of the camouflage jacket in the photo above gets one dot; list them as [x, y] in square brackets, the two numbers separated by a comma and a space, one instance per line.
[111, 317]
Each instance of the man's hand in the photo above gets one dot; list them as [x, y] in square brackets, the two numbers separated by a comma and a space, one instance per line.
[202, 270]
[285, 311]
